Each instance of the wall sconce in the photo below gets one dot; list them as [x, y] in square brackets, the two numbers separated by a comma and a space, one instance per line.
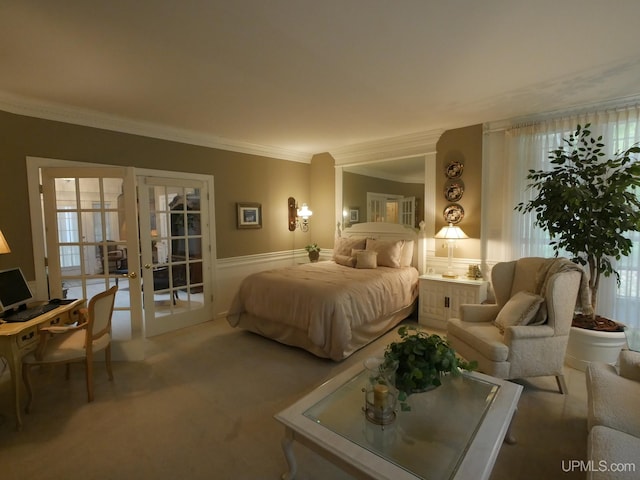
[296, 214]
[451, 233]
[4, 246]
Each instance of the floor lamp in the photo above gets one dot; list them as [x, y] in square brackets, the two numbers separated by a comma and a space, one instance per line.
[451, 233]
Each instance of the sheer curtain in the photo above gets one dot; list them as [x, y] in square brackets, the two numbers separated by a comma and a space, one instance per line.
[527, 147]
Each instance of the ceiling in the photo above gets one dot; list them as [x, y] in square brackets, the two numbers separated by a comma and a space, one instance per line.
[308, 76]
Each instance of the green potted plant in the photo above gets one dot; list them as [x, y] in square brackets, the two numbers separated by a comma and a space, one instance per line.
[421, 360]
[587, 202]
[314, 251]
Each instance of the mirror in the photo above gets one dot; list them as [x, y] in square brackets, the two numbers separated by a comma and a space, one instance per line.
[385, 191]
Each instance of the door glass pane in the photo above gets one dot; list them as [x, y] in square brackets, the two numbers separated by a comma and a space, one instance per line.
[92, 247]
[65, 193]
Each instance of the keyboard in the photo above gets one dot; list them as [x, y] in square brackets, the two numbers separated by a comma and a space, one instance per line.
[29, 313]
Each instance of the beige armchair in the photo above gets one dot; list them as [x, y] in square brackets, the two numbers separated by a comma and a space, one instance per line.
[613, 420]
[525, 333]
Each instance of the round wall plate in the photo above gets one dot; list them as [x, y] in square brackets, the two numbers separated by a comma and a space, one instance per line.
[454, 169]
[453, 213]
[453, 190]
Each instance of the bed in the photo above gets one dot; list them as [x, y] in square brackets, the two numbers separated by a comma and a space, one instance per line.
[333, 308]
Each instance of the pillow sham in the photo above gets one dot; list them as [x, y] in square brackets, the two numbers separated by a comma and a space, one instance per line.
[407, 253]
[346, 260]
[521, 309]
[366, 259]
[389, 252]
[344, 245]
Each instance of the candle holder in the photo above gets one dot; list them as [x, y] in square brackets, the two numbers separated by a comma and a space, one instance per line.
[380, 393]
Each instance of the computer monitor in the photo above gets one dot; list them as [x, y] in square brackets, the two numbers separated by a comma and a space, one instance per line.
[14, 289]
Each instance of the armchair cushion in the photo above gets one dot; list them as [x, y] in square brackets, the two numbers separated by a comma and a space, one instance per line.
[521, 309]
[472, 312]
[482, 337]
[614, 448]
[629, 363]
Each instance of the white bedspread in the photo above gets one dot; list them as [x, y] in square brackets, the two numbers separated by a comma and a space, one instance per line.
[325, 299]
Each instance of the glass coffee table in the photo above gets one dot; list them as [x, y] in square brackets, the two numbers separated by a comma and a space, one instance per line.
[454, 431]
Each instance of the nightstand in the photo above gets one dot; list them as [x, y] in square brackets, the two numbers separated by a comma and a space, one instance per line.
[440, 298]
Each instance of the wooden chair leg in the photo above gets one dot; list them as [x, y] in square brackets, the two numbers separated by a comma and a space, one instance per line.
[27, 383]
[107, 358]
[89, 377]
[562, 385]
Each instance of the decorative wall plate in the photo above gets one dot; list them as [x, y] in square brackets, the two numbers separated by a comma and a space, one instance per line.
[453, 169]
[453, 190]
[453, 213]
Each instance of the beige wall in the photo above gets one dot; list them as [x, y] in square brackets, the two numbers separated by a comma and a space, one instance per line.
[322, 199]
[463, 145]
[237, 178]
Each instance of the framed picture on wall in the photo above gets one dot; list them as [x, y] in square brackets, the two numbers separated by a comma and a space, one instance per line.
[354, 215]
[249, 215]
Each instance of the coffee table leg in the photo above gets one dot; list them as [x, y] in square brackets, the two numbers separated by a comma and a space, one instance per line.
[509, 438]
[287, 447]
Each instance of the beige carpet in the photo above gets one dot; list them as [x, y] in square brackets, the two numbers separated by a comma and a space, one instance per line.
[201, 406]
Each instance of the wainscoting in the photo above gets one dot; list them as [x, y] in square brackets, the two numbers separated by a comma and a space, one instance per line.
[231, 271]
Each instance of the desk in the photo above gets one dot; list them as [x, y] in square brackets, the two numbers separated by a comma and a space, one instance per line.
[19, 338]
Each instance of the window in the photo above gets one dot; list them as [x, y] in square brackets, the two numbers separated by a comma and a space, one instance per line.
[527, 147]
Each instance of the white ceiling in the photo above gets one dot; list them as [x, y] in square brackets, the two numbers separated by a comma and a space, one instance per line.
[310, 76]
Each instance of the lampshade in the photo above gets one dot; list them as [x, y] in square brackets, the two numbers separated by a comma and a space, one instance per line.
[4, 246]
[451, 232]
[304, 212]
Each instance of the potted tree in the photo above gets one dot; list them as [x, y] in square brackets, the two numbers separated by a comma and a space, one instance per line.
[587, 202]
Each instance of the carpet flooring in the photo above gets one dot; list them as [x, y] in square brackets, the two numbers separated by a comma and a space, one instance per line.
[201, 406]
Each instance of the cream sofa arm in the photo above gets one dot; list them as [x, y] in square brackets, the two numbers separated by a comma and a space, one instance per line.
[474, 312]
[629, 365]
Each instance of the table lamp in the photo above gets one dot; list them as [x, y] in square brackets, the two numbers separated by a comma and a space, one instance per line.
[4, 246]
[451, 233]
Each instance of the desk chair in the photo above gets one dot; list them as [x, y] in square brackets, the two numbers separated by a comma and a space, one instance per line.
[75, 343]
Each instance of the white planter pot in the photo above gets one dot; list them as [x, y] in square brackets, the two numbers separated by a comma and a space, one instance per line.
[587, 346]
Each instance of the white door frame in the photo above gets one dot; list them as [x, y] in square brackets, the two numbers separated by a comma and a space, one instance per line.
[34, 164]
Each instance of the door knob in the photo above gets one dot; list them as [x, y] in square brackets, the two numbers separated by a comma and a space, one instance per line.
[133, 275]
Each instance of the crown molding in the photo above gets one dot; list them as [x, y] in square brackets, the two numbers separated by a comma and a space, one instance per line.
[387, 148]
[90, 118]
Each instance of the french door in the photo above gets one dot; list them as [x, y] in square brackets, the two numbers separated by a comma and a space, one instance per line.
[149, 235]
[176, 257]
[89, 215]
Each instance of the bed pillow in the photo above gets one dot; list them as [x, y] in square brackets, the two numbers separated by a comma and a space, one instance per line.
[366, 259]
[344, 245]
[389, 252]
[346, 260]
[407, 253]
[521, 309]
